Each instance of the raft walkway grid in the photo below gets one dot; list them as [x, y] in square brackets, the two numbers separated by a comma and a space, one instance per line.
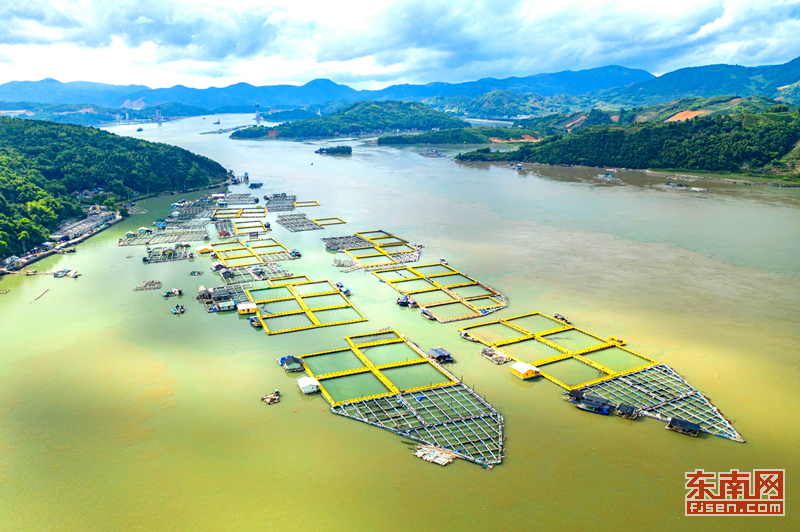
[447, 415]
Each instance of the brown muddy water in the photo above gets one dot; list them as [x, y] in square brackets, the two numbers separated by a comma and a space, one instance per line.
[117, 415]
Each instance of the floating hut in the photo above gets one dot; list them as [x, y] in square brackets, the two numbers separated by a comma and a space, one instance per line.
[247, 308]
[440, 355]
[291, 364]
[308, 385]
[524, 371]
[226, 306]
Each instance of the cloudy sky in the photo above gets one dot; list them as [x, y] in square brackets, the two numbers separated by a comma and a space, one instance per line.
[375, 43]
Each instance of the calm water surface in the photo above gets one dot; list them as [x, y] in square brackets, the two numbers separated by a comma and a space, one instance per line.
[116, 415]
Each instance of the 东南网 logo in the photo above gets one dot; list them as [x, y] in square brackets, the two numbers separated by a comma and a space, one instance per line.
[735, 492]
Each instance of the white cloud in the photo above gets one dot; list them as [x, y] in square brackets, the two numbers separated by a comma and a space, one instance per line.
[375, 43]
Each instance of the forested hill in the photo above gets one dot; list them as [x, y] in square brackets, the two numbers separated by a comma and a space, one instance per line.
[736, 143]
[361, 117]
[43, 163]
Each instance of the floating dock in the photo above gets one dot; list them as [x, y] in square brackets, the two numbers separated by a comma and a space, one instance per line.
[445, 293]
[409, 395]
[654, 389]
[297, 303]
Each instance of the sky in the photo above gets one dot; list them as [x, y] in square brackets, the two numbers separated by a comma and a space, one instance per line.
[375, 43]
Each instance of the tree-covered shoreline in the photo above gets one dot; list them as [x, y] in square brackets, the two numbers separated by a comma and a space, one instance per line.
[45, 167]
[735, 144]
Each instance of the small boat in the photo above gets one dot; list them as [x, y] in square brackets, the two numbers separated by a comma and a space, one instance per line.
[179, 309]
[60, 273]
[139, 129]
[216, 123]
[406, 301]
[255, 322]
[443, 261]
[69, 250]
[74, 274]
[561, 317]
[595, 408]
[172, 293]
[30, 272]
[427, 314]
[196, 273]
[588, 402]
[343, 289]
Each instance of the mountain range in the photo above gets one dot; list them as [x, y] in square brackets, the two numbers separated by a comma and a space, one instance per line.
[314, 92]
[606, 87]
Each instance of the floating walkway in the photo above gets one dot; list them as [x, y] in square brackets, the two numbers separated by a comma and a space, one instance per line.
[297, 303]
[445, 293]
[297, 222]
[654, 389]
[413, 397]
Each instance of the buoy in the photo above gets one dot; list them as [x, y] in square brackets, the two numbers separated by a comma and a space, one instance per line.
[295, 410]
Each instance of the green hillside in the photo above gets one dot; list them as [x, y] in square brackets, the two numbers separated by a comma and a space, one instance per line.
[42, 163]
[358, 118]
[761, 143]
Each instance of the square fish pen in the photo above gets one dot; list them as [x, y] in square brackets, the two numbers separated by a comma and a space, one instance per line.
[441, 291]
[297, 222]
[308, 203]
[371, 250]
[240, 199]
[626, 377]
[362, 382]
[557, 340]
[238, 212]
[168, 254]
[328, 221]
[249, 227]
[280, 203]
[297, 303]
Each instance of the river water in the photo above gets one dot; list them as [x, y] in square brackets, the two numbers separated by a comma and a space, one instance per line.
[116, 415]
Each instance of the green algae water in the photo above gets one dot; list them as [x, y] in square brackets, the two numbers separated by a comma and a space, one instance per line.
[117, 415]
